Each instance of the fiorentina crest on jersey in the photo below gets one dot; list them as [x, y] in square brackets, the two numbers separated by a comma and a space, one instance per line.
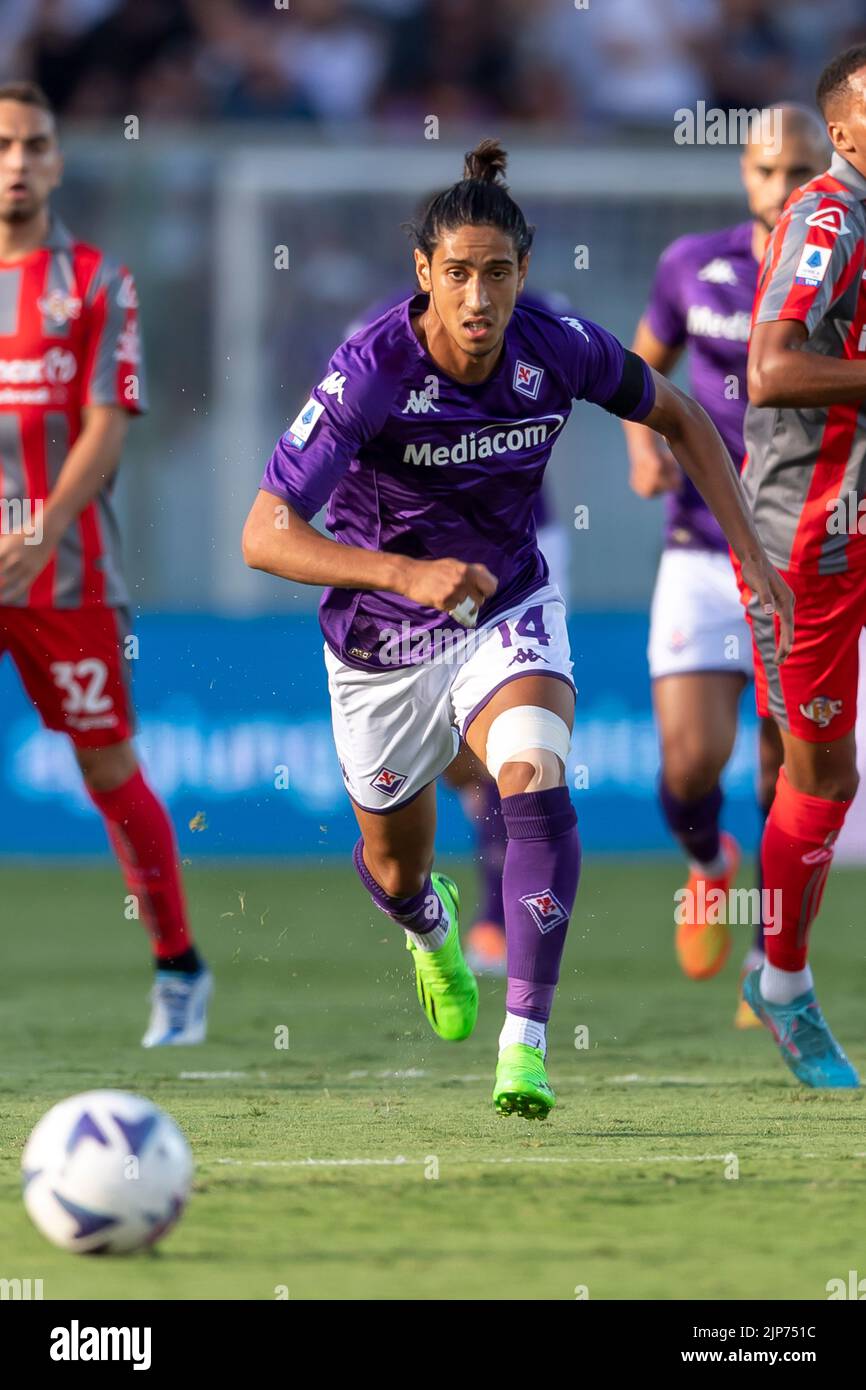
[545, 909]
[527, 379]
[387, 781]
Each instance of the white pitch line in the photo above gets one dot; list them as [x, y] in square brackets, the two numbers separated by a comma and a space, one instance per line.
[401, 1162]
[222, 1075]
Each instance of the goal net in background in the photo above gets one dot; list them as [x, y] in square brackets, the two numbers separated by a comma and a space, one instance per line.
[339, 214]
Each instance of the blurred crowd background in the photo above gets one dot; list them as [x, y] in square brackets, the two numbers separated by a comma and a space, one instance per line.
[601, 64]
[259, 199]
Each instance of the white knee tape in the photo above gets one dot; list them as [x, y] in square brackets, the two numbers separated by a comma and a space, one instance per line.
[527, 734]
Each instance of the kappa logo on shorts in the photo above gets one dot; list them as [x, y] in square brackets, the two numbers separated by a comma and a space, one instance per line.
[821, 709]
[546, 910]
[387, 781]
[525, 654]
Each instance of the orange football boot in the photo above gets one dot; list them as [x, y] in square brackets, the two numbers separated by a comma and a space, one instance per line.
[485, 949]
[702, 946]
[745, 1017]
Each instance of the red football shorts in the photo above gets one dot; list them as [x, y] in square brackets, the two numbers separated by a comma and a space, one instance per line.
[814, 695]
[72, 666]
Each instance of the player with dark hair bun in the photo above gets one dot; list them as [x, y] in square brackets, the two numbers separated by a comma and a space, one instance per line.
[429, 437]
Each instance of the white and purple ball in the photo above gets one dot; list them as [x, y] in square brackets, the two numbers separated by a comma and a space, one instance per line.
[106, 1172]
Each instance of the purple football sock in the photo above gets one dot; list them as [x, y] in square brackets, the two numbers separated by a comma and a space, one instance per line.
[542, 867]
[482, 806]
[694, 823]
[420, 913]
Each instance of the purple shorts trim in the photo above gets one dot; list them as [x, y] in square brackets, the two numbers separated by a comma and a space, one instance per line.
[518, 676]
[389, 810]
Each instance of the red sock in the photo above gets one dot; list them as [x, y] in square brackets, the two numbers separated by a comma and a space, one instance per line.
[796, 854]
[142, 837]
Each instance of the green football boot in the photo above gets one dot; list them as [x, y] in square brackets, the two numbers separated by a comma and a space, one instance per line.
[522, 1087]
[447, 989]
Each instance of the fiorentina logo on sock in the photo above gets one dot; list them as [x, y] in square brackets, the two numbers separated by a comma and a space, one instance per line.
[387, 781]
[546, 910]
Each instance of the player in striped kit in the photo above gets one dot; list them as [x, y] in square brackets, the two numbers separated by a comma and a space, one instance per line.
[71, 378]
[699, 648]
[440, 622]
[805, 477]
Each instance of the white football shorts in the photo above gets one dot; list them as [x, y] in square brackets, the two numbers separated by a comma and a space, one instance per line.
[396, 730]
[697, 622]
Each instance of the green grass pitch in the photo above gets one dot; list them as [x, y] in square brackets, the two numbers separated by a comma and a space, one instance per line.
[418, 1189]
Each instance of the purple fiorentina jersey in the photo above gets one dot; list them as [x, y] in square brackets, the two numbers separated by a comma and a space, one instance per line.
[554, 303]
[702, 297]
[418, 464]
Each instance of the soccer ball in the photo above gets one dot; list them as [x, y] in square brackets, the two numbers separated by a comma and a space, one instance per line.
[105, 1173]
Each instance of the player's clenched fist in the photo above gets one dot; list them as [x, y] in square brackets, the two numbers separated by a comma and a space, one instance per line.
[452, 586]
[654, 469]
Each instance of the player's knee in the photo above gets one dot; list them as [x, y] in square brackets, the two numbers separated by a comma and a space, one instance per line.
[690, 773]
[527, 747]
[106, 769]
[535, 771]
[833, 784]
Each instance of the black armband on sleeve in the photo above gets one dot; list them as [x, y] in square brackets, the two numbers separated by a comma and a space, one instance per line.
[632, 387]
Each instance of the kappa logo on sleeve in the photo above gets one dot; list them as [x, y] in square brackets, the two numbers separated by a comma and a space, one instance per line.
[333, 385]
[303, 424]
[813, 264]
[576, 325]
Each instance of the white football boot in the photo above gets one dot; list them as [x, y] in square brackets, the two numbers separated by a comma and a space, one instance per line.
[178, 1015]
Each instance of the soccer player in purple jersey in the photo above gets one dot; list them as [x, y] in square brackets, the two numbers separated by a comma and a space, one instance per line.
[440, 623]
[467, 776]
[700, 649]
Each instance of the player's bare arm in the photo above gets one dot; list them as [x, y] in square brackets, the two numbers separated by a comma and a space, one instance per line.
[277, 540]
[653, 469]
[781, 373]
[90, 463]
[698, 449]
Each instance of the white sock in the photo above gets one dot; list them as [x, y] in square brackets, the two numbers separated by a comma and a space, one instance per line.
[781, 986]
[754, 960]
[717, 868]
[431, 940]
[523, 1030]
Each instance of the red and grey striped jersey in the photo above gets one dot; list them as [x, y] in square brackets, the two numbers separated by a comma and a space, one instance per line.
[69, 338]
[803, 462]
